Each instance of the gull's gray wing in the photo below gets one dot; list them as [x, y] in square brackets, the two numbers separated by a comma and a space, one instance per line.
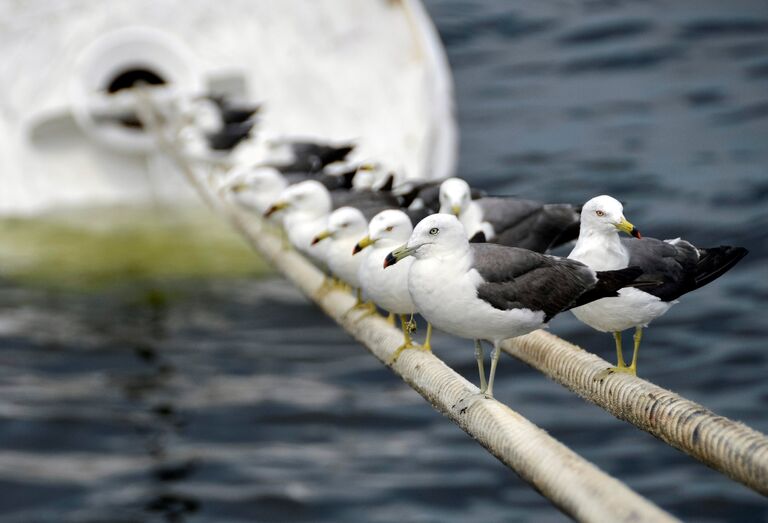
[528, 224]
[518, 278]
[672, 266]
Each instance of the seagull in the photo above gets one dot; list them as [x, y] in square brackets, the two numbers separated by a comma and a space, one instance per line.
[418, 194]
[253, 188]
[677, 266]
[306, 207]
[508, 220]
[388, 288]
[373, 176]
[493, 292]
[306, 156]
[344, 227]
[369, 203]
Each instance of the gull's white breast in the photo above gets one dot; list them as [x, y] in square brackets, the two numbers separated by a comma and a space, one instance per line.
[631, 308]
[445, 293]
[388, 288]
[341, 261]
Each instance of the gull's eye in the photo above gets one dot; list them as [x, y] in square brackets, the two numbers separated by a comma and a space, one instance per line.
[433, 231]
[389, 229]
[343, 225]
[600, 213]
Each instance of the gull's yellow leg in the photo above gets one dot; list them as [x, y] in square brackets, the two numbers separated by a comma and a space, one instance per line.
[285, 243]
[406, 327]
[632, 369]
[621, 365]
[479, 356]
[494, 363]
[391, 319]
[325, 288]
[411, 324]
[619, 352]
[368, 307]
[340, 285]
[427, 345]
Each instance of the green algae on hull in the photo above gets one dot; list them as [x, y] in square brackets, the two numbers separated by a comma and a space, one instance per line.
[100, 246]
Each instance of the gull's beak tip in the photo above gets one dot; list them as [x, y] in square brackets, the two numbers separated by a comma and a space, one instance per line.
[277, 206]
[389, 260]
[625, 226]
[320, 237]
[362, 244]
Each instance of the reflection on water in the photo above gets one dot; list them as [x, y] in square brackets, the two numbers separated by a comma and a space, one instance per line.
[235, 400]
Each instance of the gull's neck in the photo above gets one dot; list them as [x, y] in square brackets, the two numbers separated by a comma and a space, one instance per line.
[600, 250]
[472, 218]
[458, 258]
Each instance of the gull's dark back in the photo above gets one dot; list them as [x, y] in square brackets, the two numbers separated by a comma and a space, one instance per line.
[516, 278]
[529, 224]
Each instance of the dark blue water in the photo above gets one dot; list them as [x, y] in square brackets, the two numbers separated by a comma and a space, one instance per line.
[238, 401]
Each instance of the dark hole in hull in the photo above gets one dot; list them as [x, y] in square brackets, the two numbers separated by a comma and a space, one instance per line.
[127, 78]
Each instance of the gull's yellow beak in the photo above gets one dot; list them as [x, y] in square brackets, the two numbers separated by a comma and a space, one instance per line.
[366, 167]
[238, 187]
[277, 206]
[362, 244]
[320, 237]
[398, 254]
[628, 228]
[456, 210]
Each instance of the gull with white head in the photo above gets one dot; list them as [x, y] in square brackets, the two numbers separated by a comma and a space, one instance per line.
[492, 292]
[306, 207]
[508, 220]
[253, 187]
[373, 176]
[344, 227]
[388, 287]
[671, 267]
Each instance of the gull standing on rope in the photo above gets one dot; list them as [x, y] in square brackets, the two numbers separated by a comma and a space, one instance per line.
[306, 207]
[373, 176]
[673, 268]
[253, 188]
[510, 221]
[493, 292]
[344, 227]
[388, 287]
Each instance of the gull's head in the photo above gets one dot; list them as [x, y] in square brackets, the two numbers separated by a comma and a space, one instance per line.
[371, 176]
[310, 197]
[605, 214]
[261, 179]
[436, 236]
[344, 222]
[388, 227]
[455, 196]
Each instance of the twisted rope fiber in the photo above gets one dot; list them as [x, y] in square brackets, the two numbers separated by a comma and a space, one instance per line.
[730, 447]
